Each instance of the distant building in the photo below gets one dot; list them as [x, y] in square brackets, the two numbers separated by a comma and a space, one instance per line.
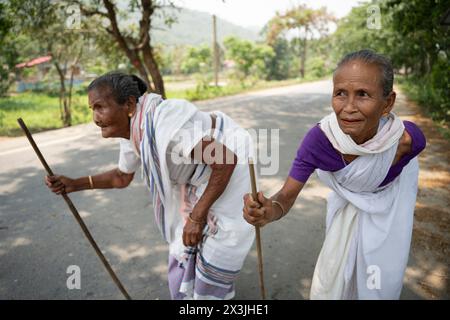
[43, 64]
[37, 80]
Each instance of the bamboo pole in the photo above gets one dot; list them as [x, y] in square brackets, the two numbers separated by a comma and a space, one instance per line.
[257, 229]
[75, 213]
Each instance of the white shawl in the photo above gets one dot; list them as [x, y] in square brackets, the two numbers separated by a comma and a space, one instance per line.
[369, 228]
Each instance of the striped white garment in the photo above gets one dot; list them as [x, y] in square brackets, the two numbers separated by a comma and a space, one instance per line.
[221, 254]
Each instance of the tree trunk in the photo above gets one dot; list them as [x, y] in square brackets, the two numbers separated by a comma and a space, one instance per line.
[77, 59]
[66, 116]
[70, 88]
[134, 47]
[153, 68]
[132, 55]
[137, 63]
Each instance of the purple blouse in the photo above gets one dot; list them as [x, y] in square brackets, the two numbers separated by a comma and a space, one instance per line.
[316, 151]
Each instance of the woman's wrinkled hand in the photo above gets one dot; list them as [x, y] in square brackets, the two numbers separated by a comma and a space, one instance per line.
[258, 213]
[59, 184]
[192, 233]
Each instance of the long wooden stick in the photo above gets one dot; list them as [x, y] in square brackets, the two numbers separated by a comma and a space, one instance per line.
[75, 213]
[258, 233]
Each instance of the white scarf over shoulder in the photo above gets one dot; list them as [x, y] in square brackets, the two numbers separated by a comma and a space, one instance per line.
[369, 228]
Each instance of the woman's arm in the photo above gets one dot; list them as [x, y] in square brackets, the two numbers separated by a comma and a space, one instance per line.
[222, 162]
[266, 210]
[106, 180]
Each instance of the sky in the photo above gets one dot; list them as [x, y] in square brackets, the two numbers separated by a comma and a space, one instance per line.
[256, 13]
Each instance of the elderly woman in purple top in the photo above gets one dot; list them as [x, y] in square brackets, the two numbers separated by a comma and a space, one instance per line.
[368, 157]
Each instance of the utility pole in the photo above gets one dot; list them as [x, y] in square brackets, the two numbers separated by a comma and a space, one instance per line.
[216, 53]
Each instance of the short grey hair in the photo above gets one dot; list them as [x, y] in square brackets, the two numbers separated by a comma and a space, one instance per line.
[122, 86]
[371, 57]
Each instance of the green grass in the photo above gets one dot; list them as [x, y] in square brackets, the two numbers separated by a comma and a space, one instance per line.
[40, 111]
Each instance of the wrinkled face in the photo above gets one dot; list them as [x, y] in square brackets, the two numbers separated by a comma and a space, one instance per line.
[111, 117]
[358, 99]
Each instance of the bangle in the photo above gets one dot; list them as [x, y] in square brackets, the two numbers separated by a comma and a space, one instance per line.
[91, 183]
[195, 221]
[281, 207]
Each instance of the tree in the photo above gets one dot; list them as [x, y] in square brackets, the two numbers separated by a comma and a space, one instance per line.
[135, 44]
[279, 66]
[66, 55]
[197, 59]
[8, 49]
[250, 58]
[352, 34]
[104, 54]
[412, 36]
[419, 23]
[175, 58]
[45, 22]
[426, 44]
[302, 20]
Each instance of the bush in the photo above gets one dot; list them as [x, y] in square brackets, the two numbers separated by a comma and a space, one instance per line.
[431, 91]
[316, 68]
[202, 92]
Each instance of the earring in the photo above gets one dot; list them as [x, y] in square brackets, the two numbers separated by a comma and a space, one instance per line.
[130, 114]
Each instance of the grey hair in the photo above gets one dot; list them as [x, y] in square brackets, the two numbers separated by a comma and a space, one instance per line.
[371, 57]
[122, 85]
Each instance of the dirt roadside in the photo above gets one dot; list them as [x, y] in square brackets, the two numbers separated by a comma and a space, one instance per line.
[428, 271]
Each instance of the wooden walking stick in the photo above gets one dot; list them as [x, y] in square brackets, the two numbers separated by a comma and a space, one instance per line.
[257, 229]
[75, 213]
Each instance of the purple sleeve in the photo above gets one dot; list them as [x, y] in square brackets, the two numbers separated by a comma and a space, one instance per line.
[418, 143]
[314, 152]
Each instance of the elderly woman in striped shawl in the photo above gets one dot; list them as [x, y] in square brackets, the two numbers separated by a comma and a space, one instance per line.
[193, 163]
[368, 157]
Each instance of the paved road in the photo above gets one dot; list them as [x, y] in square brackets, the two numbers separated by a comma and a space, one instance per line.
[39, 238]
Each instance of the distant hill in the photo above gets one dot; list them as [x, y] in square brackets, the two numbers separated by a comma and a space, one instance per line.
[194, 28]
